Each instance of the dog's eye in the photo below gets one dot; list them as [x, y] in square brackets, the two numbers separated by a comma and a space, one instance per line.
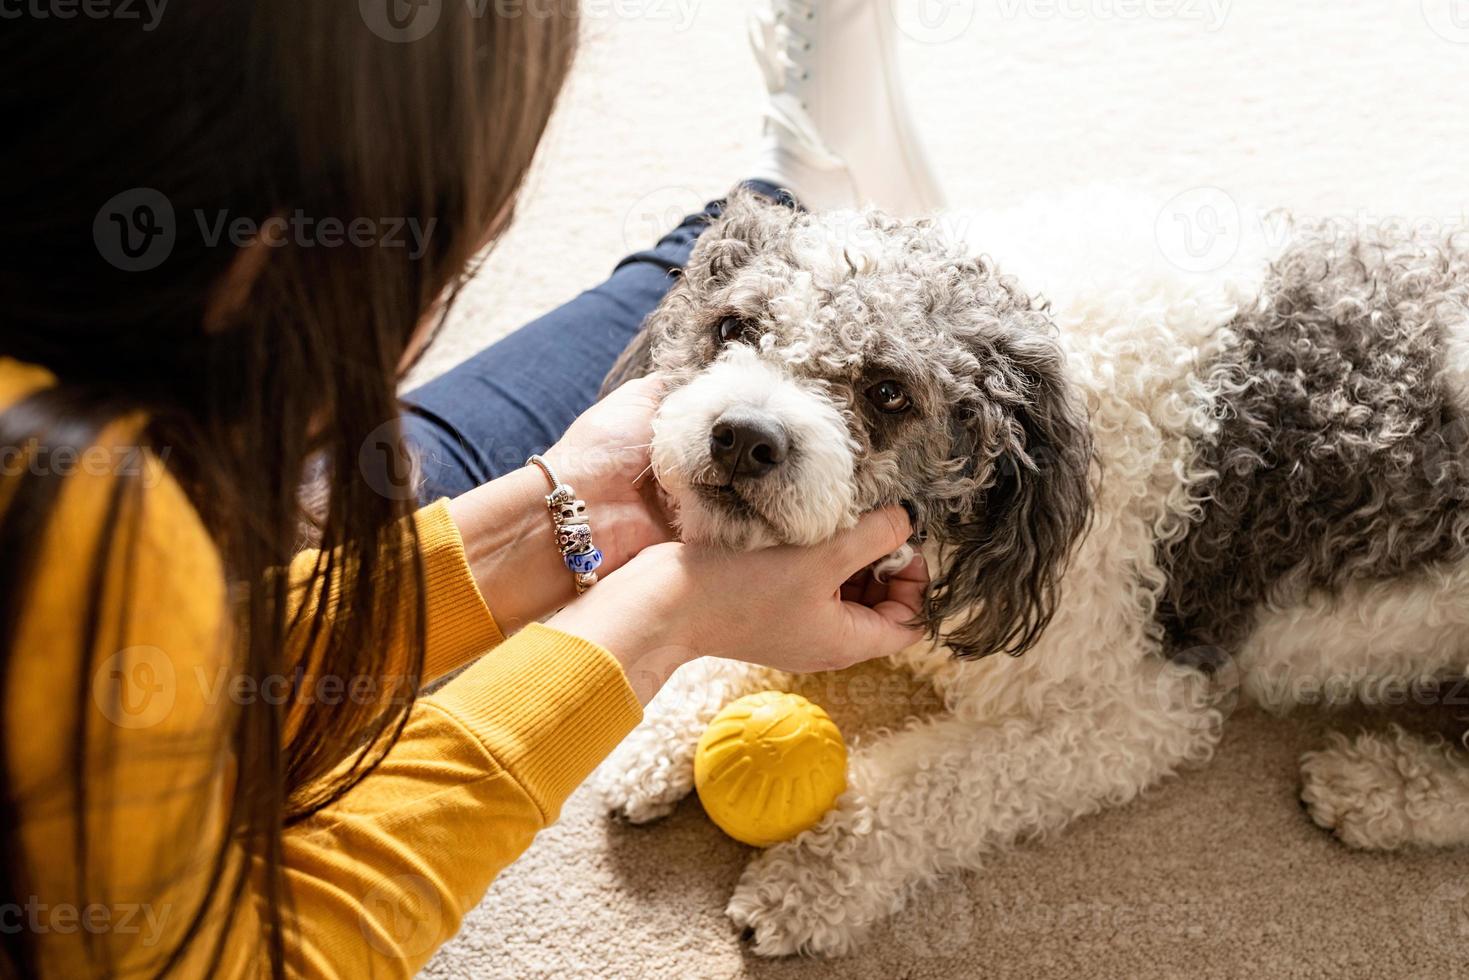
[730, 329]
[889, 397]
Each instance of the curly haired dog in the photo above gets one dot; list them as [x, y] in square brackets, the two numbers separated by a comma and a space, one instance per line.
[1161, 488]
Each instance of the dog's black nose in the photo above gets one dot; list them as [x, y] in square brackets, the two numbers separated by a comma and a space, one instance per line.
[747, 442]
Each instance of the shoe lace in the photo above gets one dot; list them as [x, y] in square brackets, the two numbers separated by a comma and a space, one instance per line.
[780, 38]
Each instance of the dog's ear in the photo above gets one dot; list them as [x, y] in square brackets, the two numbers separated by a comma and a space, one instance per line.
[746, 225]
[1027, 448]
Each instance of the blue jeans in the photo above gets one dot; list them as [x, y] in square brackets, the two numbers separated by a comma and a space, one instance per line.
[482, 418]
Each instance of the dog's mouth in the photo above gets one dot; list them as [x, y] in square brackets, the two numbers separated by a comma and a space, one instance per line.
[727, 496]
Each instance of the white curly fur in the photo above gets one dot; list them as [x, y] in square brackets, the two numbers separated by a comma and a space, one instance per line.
[1387, 790]
[1093, 714]
[823, 468]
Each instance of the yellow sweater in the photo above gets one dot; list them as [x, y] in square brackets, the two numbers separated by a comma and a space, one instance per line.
[377, 880]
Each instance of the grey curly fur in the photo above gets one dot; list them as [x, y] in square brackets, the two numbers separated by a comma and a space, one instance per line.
[993, 461]
[1341, 454]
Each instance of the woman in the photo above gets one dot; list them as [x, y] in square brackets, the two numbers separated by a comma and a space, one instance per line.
[217, 761]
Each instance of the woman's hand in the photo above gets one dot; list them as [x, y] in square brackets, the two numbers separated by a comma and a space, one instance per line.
[781, 607]
[508, 535]
[605, 458]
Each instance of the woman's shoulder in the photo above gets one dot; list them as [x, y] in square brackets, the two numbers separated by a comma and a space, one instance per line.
[123, 593]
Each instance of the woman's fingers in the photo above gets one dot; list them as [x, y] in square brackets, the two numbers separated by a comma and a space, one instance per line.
[877, 631]
[906, 590]
[887, 620]
[649, 386]
[878, 534]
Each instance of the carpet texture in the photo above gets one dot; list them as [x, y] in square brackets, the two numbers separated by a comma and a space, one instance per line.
[1335, 110]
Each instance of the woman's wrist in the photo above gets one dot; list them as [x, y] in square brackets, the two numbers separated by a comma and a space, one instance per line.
[630, 624]
[510, 540]
[511, 547]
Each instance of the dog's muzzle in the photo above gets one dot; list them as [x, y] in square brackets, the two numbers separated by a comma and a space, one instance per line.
[747, 443]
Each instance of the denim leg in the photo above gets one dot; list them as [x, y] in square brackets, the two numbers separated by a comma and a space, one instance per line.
[483, 417]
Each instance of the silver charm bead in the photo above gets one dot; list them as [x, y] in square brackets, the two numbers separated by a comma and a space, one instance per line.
[574, 538]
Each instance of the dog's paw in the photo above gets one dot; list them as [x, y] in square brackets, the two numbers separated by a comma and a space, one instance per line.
[783, 907]
[817, 894]
[645, 778]
[636, 809]
[1383, 790]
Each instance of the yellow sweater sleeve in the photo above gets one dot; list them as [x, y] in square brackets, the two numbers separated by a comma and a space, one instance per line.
[377, 880]
[384, 877]
[459, 625]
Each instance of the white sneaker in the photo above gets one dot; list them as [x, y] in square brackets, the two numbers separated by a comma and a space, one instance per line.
[837, 130]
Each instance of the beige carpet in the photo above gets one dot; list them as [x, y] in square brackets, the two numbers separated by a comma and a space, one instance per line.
[1350, 110]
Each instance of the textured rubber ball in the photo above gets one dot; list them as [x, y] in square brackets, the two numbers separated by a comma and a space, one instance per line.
[769, 766]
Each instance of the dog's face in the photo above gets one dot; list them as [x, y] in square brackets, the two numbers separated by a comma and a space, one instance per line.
[820, 366]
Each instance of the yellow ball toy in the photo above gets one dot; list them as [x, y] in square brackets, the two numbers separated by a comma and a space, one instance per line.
[768, 766]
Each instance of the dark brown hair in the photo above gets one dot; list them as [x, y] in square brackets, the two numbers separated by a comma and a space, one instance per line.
[246, 110]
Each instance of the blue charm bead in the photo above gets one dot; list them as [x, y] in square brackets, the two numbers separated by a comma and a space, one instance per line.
[587, 561]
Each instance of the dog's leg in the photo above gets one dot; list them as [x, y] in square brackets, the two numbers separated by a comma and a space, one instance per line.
[1375, 642]
[939, 795]
[1388, 790]
[653, 768]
